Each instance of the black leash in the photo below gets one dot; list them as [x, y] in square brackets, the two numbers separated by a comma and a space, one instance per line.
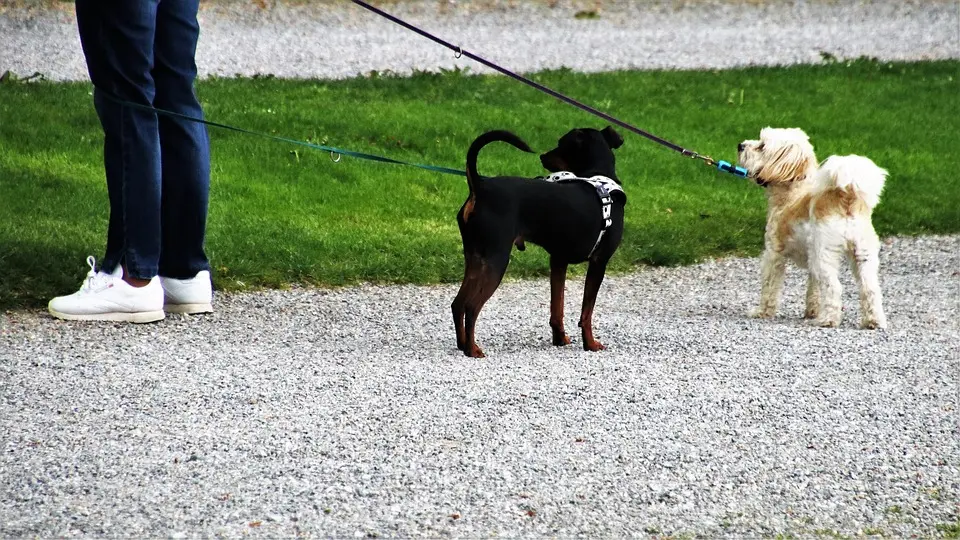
[722, 165]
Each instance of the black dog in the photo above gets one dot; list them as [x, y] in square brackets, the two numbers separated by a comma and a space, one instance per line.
[572, 219]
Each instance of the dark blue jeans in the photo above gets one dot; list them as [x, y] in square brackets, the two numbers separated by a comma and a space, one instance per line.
[157, 167]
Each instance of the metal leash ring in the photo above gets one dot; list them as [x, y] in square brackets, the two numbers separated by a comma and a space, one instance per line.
[337, 159]
[458, 53]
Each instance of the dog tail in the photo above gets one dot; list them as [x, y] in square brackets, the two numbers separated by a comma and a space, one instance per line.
[473, 177]
[855, 175]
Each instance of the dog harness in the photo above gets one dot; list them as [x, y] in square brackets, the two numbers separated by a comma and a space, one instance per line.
[604, 186]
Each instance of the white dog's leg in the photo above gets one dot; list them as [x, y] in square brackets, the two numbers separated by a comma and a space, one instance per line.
[866, 267]
[812, 310]
[773, 267]
[825, 259]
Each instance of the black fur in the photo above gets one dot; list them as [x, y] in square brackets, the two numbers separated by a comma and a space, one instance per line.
[563, 218]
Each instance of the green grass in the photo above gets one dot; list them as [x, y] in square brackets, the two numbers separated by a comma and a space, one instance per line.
[828, 533]
[282, 214]
[949, 530]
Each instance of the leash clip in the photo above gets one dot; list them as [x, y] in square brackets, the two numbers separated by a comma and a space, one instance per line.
[458, 53]
[722, 165]
[337, 159]
[707, 159]
[695, 155]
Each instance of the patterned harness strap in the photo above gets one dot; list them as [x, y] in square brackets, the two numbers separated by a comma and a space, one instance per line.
[604, 186]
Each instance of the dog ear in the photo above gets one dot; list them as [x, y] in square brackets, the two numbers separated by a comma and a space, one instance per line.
[553, 163]
[790, 162]
[612, 137]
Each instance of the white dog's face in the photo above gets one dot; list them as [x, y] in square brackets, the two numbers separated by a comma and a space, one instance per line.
[781, 155]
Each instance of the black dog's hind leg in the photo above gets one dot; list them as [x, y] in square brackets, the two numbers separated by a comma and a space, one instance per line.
[458, 307]
[472, 265]
[595, 272]
[558, 281]
[488, 275]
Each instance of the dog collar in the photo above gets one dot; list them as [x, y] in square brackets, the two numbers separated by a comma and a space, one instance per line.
[605, 187]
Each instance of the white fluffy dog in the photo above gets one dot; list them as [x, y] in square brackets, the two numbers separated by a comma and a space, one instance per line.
[815, 217]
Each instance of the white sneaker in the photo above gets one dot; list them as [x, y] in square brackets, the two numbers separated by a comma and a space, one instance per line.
[192, 295]
[107, 297]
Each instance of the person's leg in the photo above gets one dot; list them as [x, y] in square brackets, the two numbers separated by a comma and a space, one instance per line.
[185, 148]
[90, 24]
[117, 38]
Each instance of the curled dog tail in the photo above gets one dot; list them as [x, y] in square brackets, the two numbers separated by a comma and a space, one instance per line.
[473, 177]
[857, 176]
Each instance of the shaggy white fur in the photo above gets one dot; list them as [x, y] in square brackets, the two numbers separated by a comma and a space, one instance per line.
[816, 216]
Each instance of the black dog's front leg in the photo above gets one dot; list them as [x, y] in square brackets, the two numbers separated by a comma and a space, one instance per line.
[595, 273]
[558, 282]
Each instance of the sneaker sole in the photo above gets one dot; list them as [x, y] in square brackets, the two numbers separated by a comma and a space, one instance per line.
[188, 309]
[139, 317]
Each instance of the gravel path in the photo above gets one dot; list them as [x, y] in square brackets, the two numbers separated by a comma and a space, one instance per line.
[335, 42]
[349, 412]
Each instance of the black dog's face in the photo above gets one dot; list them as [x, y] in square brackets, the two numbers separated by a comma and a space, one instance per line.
[584, 151]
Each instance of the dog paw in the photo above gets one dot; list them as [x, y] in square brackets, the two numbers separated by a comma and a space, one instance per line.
[827, 323]
[811, 314]
[561, 340]
[593, 346]
[760, 314]
[873, 325]
[474, 352]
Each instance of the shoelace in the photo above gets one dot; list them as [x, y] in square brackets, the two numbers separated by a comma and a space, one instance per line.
[95, 280]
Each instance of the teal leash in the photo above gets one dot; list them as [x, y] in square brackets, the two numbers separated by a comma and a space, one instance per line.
[332, 149]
